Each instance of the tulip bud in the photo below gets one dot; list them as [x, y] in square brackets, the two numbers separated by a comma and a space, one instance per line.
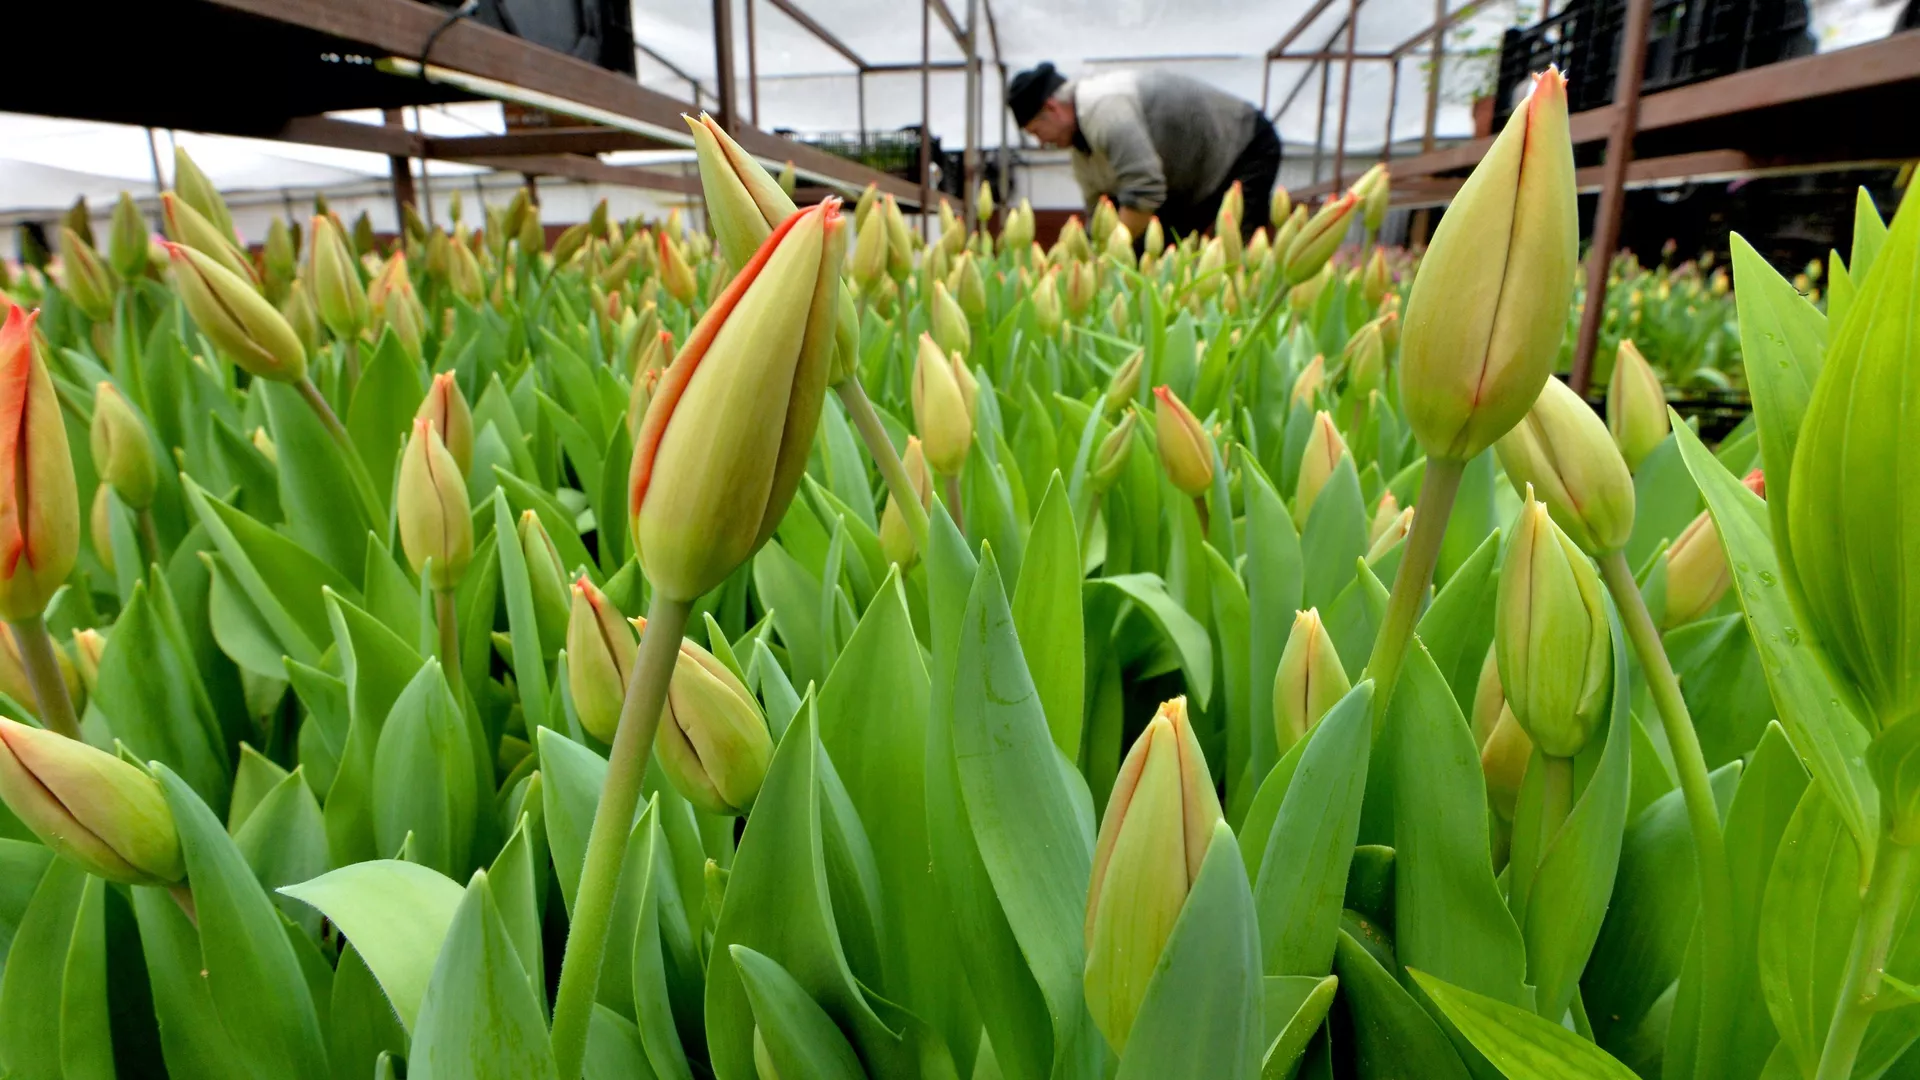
[1125, 384]
[445, 408]
[1152, 841]
[464, 276]
[1111, 456]
[297, 309]
[1377, 279]
[1155, 240]
[940, 409]
[1365, 358]
[1373, 189]
[39, 506]
[869, 198]
[1309, 681]
[1324, 450]
[1046, 304]
[983, 202]
[1017, 233]
[1186, 450]
[436, 520]
[1395, 532]
[712, 741]
[1082, 283]
[263, 443]
[948, 322]
[186, 225]
[1551, 632]
[1636, 406]
[99, 531]
[896, 540]
[570, 242]
[600, 652]
[279, 261]
[675, 274]
[104, 815]
[967, 286]
[14, 681]
[1226, 230]
[1563, 452]
[236, 318]
[1503, 761]
[726, 437]
[1384, 517]
[1319, 238]
[1489, 701]
[743, 202]
[88, 281]
[1489, 306]
[547, 580]
[1309, 382]
[193, 186]
[88, 646]
[899, 243]
[869, 263]
[1280, 207]
[127, 241]
[122, 452]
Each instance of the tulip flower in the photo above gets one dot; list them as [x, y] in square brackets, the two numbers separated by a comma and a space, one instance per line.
[1309, 681]
[1111, 456]
[646, 380]
[1279, 207]
[1125, 383]
[1017, 233]
[1226, 229]
[1324, 450]
[983, 202]
[896, 539]
[1697, 571]
[1503, 763]
[712, 741]
[188, 226]
[88, 281]
[436, 520]
[1155, 240]
[546, 579]
[1377, 279]
[1186, 450]
[236, 318]
[967, 286]
[1152, 841]
[899, 243]
[1307, 384]
[601, 647]
[869, 198]
[949, 323]
[1562, 451]
[744, 203]
[1551, 632]
[127, 240]
[726, 437]
[1636, 406]
[1489, 700]
[39, 506]
[675, 273]
[940, 409]
[1397, 529]
[445, 408]
[122, 451]
[1320, 237]
[1081, 285]
[104, 815]
[192, 185]
[1489, 306]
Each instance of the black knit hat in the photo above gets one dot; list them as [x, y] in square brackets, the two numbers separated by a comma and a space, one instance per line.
[1030, 89]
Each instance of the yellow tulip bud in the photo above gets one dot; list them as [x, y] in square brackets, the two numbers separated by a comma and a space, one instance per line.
[1561, 449]
[1186, 450]
[445, 408]
[896, 540]
[127, 242]
[104, 815]
[712, 742]
[88, 281]
[1309, 681]
[601, 647]
[1550, 628]
[744, 203]
[940, 409]
[188, 226]
[1324, 450]
[1636, 406]
[436, 519]
[122, 450]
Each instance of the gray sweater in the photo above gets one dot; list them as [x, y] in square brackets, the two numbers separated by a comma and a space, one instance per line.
[1154, 136]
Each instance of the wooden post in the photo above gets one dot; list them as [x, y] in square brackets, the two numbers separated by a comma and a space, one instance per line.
[728, 93]
[753, 68]
[1613, 186]
[1346, 98]
[926, 113]
[400, 169]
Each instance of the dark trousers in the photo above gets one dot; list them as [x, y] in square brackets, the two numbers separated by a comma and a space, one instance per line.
[1255, 168]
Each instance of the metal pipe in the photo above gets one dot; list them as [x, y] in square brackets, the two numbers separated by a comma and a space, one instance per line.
[926, 113]
[1320, 126]
[1346, 97]
[753, 68]
[860, 90]
[970, 159]
[1606, 218]
[1422, 223]
[1393, 106]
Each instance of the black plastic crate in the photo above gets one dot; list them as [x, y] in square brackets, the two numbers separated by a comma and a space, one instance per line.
[1687, 41]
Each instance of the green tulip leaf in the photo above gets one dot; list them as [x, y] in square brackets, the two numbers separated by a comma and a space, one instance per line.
[1520, 1044]
[1393, 1036]
[1047, 616]
[396, 915]
[1186, 634]
[1296, 1006]
[479, 1018]
[1334, 538]
[800, 1038]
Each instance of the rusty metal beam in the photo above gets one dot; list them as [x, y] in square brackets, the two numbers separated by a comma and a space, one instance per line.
[591, 170]
[825, 36]
[1300, 26]
[1613, 191]
[1442, 19]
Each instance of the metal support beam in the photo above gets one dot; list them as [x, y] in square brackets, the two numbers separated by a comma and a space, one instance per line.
[1300, 26]
[916, 66]
[676, 70]
[1606, 218]
[1422, 224]
[1346, 96]
[727, 91]
[970, 159]
[1393, 106]
[1442, 20]
[812, 26]
[1266, 82]
[753, 68]
[952, 24]
[400, 169]
[1335, 54]
[860, 89]
[926, 110]
[1320, 126]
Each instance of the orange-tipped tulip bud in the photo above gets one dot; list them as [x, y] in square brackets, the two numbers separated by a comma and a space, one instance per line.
[1309, 681]
[547, 580]
[1082, 283]
[236, 318]
[1125, 384]
[122, 451]
[39, 507]
[1551, 632]
[1636, 406]
[1489, 306]
[445, 407]
[744, 203]
[712, 741]
[88, 281]
[97, 811]
[1377, 279]
[726, 437]
[896, 540]
[600, 651]
[1152, 840]
[1046, 304]
[1561, 449]
[188, 226]
[940, 408]
[436, 520]
[1186, 450]
[1697, 571]
[1319, 237]
[1324, 450]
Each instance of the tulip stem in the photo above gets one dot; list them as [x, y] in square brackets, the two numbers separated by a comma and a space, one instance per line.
[350, 361]
[362, 485]
[612, 821]
[149, 534]
[953, 501]
[1703, 814]
[444, 611]
[880, 448]
[182, 894]
[1417, 561]
[43, 674]
[1867, 960]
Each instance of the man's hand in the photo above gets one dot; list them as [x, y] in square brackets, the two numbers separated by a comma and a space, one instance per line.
[1134, 220]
